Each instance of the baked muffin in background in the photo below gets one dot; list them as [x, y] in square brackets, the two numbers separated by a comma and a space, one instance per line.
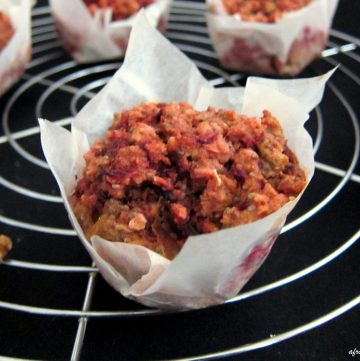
[102, 27]
[15, 41]
[120, 9]
[272, 37]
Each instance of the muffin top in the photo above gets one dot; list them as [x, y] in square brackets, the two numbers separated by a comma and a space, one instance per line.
[266, 11]
[166, 172]
[6, 30]
[121, 9]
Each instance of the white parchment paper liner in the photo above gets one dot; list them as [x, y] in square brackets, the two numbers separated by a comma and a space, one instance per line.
[16, 54]
[90, 38]
[212, 267]
[281, 48]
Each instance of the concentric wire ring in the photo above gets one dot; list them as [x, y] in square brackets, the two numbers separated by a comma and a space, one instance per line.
[93, 77]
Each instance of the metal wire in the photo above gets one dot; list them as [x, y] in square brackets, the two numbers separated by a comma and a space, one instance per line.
[47, 48]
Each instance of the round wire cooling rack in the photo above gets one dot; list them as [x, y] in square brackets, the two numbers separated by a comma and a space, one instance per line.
[55, 87]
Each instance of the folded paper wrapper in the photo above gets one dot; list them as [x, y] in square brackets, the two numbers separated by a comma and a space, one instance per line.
[17, 53]
[281, 48]
[210, 268]
[90, 38]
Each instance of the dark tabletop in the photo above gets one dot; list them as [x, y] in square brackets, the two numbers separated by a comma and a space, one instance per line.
[294, 316]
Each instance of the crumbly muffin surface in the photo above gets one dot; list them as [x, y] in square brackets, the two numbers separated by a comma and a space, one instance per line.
[121, 9]
[267, 11]
[166, 172]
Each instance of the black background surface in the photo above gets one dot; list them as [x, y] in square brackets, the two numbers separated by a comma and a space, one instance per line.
[193, 333]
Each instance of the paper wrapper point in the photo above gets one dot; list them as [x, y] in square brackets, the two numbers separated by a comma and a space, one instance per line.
[210, 268]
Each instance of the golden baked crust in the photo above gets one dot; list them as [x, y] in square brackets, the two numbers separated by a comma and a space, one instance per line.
[267, 11]
[166, 172]
[121, 9]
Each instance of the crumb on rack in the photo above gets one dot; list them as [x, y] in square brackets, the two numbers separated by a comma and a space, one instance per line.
[5, 246]
[121, 9]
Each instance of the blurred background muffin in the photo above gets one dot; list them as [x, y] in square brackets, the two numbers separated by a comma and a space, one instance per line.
[274, 37]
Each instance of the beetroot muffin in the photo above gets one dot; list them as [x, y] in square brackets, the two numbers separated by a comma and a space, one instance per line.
[166, 172]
